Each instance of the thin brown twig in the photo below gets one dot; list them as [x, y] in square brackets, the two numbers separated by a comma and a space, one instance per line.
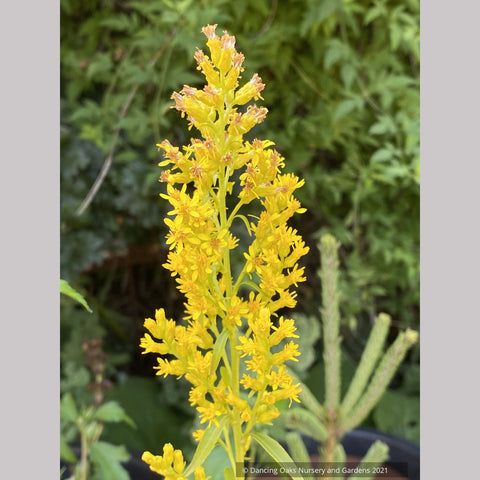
[109, 159]
[269, 21]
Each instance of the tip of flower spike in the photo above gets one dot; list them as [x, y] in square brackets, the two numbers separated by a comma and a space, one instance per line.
[227, 41]
[411, 336]
[209, 30]
[328, 241]
[384, 318]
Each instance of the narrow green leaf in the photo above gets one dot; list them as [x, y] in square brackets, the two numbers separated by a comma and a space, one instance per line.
[66, 289]
[224, 375]
[108, 459]
[206, 445]
[113, 412]
[275, 450]
[218, 349]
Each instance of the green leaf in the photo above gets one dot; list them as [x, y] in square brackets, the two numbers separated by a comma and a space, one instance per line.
[325, 9]
[113, 412]
[121, 22]
[143, 400]
[374, 13]
[66, 289]
[378, 128]
[275, 450]
[399, 414]
[218, 349]
[216, 463]
[335, 53]
[66, 453]
[382, 155]
[317, 13]
[108, 459]
[348, 73]
[100, 65]
[206, 445]
[68, 409]
[344, 108]
[224, 375]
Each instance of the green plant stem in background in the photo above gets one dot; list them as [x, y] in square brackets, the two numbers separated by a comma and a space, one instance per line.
[327, 423]
[331, 340]
[370, 356]
[297, 448]
[116, 135]
[381, 378]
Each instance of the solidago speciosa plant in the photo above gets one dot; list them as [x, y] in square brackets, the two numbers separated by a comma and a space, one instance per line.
[231, 345]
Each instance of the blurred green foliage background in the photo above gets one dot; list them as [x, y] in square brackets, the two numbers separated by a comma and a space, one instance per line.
[342, 90]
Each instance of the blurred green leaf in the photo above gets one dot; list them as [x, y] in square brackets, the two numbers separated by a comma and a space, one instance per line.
[66, 453]
[108, 459]
[113, 412]
[399, 414]
[216, 463]
[274, 449]
[157, 423]
[345, 107]
[66, 289]
[206, 444]
[382, 155]
[68, 409]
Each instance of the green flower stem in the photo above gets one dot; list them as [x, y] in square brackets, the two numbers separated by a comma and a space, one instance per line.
[383, 374]
[331, 321]
[370, 356]
[234, 354]
[227, 445]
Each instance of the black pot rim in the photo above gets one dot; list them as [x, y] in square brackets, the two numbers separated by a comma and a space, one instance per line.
[404, 455]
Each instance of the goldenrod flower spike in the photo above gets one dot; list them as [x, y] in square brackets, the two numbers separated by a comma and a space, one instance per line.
[234, 311]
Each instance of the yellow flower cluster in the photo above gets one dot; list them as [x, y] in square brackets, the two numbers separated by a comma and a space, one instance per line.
[231, 310]
[171, 465]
